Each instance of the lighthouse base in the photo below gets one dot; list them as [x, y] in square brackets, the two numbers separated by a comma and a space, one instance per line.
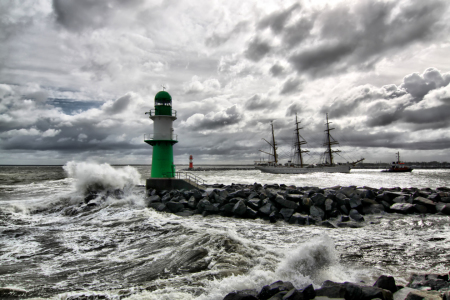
[161, 184]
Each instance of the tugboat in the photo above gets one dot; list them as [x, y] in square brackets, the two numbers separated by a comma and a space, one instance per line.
[398, 166]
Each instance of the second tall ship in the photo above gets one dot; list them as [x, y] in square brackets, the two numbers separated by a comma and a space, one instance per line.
[273, 166]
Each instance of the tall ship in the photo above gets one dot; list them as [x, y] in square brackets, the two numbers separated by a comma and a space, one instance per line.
[398, 166]
[298, 166]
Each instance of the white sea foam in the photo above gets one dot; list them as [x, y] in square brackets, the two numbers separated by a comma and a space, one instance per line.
[93, 176]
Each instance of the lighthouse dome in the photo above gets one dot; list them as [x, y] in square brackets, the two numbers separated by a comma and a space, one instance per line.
[163, 97]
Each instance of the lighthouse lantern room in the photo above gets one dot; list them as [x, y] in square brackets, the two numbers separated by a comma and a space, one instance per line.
[163, 137]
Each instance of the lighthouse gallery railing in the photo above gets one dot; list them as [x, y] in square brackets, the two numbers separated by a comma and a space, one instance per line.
[186, 176]
[151, 136]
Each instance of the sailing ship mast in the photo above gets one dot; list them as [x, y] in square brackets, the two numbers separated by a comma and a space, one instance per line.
[273, 145]
[299, 142]
[330, 141]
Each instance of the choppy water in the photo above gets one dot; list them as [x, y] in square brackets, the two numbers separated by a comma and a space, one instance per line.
[126, 251]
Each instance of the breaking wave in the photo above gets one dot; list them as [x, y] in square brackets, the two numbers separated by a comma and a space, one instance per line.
[94, 177]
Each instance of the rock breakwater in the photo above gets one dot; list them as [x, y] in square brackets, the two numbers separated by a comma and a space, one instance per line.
[428, 286]
[331, 207]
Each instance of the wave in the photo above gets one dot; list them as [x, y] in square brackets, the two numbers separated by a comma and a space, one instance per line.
[94, 177]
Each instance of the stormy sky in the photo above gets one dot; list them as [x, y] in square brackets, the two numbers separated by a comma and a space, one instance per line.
[76, 78]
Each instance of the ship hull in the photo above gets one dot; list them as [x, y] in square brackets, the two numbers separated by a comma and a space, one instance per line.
[398, 170]
[298, 170]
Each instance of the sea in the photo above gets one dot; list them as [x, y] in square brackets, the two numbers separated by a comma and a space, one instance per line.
[52, 247]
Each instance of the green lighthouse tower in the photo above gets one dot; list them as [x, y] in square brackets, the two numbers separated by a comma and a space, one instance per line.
[163, 137]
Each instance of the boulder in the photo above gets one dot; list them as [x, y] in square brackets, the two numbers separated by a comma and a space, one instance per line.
[201, 204]
[254, 203]
[386, 283]
[275, 216]
[355, 215]
[271, 194]
[344, 209]
[318, 199]
[354, 203]
[402, 208]
[328, 205]
[154, 198]
[227, 209]
[413, 294]
[192, 203]
[239, 208]
[287, 213]
[242, 295]
[175, 206]
[285, 203]
[316, 212]
[271, 290]
[250, 213]
[297, 198]
[298, 218]
[434, 197]
[443, 208]
[267, 209]
[429, 204]
[373, 209]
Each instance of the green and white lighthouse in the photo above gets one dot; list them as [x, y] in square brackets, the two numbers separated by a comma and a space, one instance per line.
[163, 137]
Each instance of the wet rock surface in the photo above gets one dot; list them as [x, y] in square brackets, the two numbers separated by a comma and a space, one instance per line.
[425, 286]
[345, 206]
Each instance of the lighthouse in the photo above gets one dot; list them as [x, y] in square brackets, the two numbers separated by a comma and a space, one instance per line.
[163, 137]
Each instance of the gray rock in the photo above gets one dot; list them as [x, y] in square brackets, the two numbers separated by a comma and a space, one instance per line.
[239, 208]
[254, 203]
[443, 208]
[286, 213]
[355, 215]
[402, 208]
[316, 212]
[271, 194]
[328, 205]
[250, 213]
[242, 295]
[373, 209]
[227, 209]
[413, 294]
[267, 209]
[192, 203]
[306, 202]
[201, 204]
[271, 290]
[354, 203]
[154, 198]
[429, 204]
[286, 203]
[344, 209]
[175, 206]
[387, 283]
[298, 218]
[318, 200]
[297, 198]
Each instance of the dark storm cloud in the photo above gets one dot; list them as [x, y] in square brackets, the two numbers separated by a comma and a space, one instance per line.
[119, 105]
[213, 121]
[291, 85]
[258, 102]
[257, 49]
[278, 19]
[276, 70]
[31, 123]
[340, 38]
[83, 14]
[389, 104]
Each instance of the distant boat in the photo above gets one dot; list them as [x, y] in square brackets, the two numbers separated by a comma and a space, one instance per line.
[398, 166]
[300, 168]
